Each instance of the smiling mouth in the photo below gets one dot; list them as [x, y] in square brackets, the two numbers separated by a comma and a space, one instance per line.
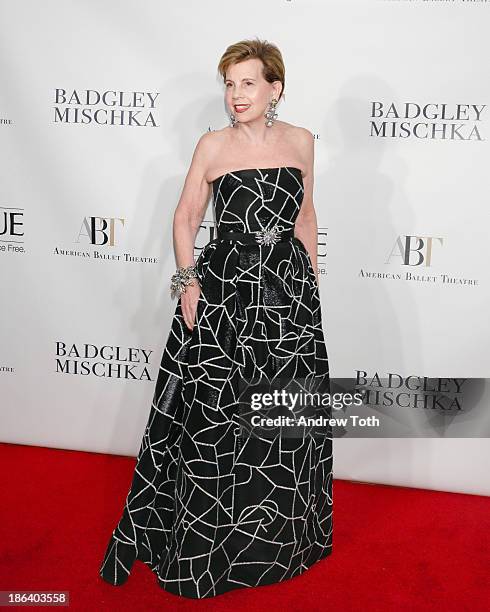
[240, 108]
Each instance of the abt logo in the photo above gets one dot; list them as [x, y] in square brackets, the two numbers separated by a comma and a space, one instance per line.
[414, 250]
[100, 231]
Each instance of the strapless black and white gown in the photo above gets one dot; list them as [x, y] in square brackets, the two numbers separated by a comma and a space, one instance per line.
[209, 508]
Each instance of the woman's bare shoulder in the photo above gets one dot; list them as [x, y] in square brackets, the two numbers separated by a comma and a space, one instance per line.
[219, 135]
[298, 131]
[293, 130]
[207, 150]
[210, 142]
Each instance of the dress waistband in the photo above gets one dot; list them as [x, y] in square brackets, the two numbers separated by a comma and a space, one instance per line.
[268, 236]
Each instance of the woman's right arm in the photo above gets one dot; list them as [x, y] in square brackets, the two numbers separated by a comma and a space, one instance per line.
[188, 215]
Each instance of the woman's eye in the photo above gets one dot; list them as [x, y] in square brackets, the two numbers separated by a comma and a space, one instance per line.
[247, 83]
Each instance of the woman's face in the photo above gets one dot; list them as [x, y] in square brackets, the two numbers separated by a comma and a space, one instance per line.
[247, 93]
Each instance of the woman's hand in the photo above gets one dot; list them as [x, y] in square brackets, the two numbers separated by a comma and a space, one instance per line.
[188, 302]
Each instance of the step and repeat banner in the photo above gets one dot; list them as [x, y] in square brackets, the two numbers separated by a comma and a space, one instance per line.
[101, 106]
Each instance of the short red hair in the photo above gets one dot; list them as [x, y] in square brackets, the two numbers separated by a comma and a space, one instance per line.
[266, 52]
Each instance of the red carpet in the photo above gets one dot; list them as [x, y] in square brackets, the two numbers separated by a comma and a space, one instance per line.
[393, 548]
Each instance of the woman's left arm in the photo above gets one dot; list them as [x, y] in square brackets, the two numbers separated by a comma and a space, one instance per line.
[306, 227]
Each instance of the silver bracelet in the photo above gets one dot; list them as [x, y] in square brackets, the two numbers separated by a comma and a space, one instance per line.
[182, 278]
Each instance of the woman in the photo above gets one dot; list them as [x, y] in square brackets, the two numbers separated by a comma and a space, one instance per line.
[216, 504]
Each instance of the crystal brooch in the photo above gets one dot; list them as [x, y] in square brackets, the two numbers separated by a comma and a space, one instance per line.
[269, 236]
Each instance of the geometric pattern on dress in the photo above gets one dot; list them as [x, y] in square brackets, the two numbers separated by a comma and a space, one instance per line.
[210, 510]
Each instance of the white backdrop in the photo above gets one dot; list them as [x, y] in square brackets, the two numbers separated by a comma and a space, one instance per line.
[397, 96]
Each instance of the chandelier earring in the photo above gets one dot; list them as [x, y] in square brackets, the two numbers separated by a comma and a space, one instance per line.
[232, 120]
[271, 115]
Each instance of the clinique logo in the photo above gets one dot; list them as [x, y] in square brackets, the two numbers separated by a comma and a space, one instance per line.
[105, 233]
[11, 229]
[431, 121]
[322, 250]
[105, 361]
[207, 232]
[131, 108]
